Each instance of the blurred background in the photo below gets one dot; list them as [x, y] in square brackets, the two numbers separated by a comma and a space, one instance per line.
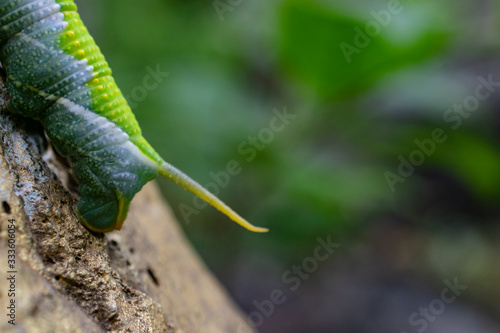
[364, 134]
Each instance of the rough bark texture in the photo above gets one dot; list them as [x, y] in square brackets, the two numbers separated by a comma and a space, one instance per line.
[145, 278]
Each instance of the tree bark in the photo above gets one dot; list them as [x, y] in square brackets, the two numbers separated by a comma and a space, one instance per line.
[144, 278]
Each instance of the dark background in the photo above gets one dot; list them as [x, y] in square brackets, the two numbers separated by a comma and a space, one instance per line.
[324, 174]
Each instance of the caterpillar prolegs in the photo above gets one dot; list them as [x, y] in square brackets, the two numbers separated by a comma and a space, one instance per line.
[55, 73]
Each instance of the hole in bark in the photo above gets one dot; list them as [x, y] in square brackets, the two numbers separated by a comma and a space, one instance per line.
[131, 250]
[6, 207]
[153, 277]
[34, 310]
[127, 262]
[113, 244]
[50, 260]
[57, 277]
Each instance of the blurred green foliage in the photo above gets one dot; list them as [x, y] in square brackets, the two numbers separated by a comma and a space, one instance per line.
[312, 35]
[325, 170]
[324, 173]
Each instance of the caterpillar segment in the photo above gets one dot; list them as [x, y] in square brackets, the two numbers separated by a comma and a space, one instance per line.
[56, 73]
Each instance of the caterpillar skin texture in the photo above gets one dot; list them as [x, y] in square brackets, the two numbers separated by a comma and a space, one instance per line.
[56, 73]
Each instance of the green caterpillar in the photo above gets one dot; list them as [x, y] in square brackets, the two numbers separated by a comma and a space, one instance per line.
[55, 73]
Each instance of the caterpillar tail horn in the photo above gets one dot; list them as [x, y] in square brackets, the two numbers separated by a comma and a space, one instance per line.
[178, 177]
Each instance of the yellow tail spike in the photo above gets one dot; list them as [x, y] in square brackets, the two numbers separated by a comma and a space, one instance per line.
[178, 177]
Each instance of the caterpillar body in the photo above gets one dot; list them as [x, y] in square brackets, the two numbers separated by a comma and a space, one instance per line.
[55, 73]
